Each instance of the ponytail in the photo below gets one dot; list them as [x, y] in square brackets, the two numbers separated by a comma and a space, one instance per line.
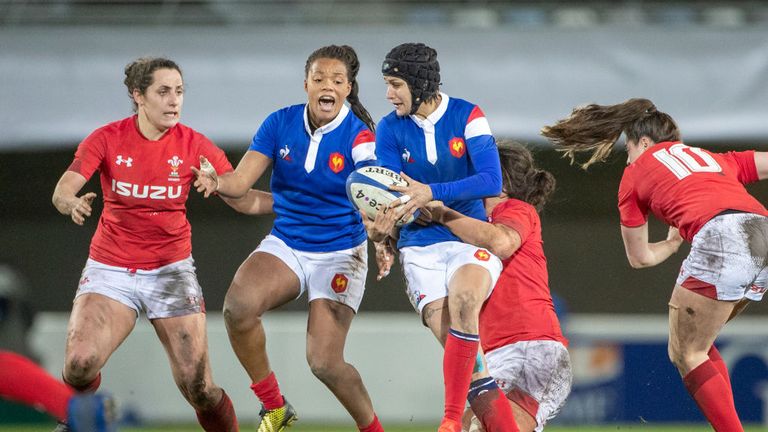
[596, 128]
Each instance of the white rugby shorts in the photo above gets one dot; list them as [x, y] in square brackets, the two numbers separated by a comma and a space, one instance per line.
[429, 269]
[338, 276]
[536, 375]
[169, 291]
[728, 258]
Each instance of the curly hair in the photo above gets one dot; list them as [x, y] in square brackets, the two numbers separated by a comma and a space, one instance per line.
[521, 179]
[596, 128]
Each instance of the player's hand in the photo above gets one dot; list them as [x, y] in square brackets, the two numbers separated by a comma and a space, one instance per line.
[432, 212]
[381, 227]
[415, 196]
[207, 181]
[82, 208]
[674, 237]
[385, 256]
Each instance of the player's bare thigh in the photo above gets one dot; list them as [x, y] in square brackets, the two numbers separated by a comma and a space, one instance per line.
[262, 282]
[327, 328]
[97, 326]
[694, 322]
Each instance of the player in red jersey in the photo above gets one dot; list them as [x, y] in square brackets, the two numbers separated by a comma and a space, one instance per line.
[518, 325]
[140, 256]
[520, 334]
[701, 195]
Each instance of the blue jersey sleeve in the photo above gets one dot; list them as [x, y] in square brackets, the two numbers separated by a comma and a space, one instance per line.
[485, 182]
[387, 153]
[265, 141]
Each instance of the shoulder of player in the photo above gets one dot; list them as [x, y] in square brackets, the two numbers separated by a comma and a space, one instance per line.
[514, 204]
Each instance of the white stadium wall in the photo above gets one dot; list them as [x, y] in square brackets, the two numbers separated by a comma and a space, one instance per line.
[58, 84]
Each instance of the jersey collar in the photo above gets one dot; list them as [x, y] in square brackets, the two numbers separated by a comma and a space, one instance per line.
[436, 114]
[330, 126]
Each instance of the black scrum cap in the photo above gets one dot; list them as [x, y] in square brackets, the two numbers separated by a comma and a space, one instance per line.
[416, 64]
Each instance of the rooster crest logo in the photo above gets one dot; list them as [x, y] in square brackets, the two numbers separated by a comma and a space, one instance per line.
[175, 163]
[482, 255]
[407, 156]
[457, 146]
[339, 283]
[336, 162]
[285, 153]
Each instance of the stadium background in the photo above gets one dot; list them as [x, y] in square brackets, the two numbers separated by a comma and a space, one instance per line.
[525, 63]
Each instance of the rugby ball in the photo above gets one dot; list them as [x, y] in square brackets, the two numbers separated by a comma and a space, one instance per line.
[368, 189]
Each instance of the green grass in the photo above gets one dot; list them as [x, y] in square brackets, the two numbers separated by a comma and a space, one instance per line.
[645, 427]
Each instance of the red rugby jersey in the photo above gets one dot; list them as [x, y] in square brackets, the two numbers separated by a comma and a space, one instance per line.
[520, 308]
[686, 186]
[145, 185]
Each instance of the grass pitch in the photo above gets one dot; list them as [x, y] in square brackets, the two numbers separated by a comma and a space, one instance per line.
[645, 427]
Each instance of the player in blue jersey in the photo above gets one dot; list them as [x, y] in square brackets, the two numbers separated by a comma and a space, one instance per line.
[318, 242]
[445, 149]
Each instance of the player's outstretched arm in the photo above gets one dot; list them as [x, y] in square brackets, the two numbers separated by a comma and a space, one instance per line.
[500, 239]
[233, 184]
[67, 202]
[641, 253]
[254, 202]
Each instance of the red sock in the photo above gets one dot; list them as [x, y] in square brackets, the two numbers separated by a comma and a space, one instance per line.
[707, 387]
[91, 387]
[494, 412]
[21, 380]
[458, 362]
[717, 361]
[268, 392]
[375, 426]
[220, 418]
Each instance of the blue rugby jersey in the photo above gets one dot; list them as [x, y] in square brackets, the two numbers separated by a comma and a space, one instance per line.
[309, 173]
[453, 151]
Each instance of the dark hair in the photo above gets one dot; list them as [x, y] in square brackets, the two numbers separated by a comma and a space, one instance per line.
[521, 179]
[347, 55]
[139, 74]
[596, 128]
[417, 65]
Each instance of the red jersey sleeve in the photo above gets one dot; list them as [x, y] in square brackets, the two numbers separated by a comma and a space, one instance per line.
[215, 155]
[632, 212]
[516, 217]
[744, 164]
[89, 154]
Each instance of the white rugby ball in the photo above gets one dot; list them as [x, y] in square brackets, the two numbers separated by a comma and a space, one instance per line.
[368, 189]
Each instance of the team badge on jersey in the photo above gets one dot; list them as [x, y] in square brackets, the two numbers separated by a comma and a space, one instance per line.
[175, 163]
[285, 153]
[457, 146]
[407, 156]
[127, 161]
[336, 162]
[339, 283]
[482, 255]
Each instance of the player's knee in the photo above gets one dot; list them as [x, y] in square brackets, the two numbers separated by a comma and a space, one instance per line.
[464, 307]
[80, 368]
[238, 317]
[195, 388]
[322, 367]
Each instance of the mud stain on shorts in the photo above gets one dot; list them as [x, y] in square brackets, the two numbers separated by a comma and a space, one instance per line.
[756, 232]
